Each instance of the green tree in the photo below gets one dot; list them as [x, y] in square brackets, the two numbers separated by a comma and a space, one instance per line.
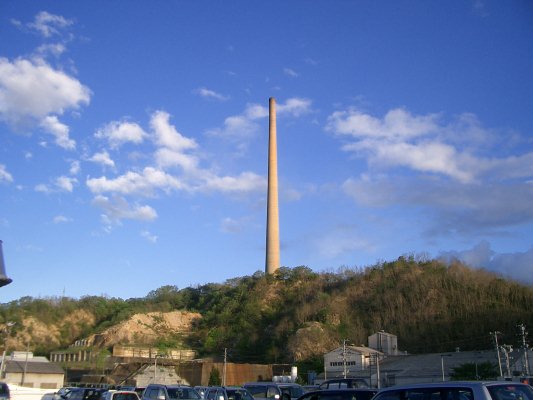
[475, 371]
[214, 377]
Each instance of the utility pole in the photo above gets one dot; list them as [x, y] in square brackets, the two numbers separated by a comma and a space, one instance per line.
[225, 362]
[344, 369]
[506, 350]
[523, 333]
[496, 333]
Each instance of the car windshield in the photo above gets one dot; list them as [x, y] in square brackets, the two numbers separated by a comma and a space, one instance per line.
[124, 396]
[293, 391]
[182, 393]
[239, 394]
[510, 392]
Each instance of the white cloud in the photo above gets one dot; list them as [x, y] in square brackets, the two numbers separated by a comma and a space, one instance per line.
[59, 130]
[32, 90]
[60, 184]
[49, 24]
[75, 167]
[518, 266]
[103, 158]
[144, 183]
[65, 183]
[245, 182]
[118, 208]
[295, 107]
[169, 158]
[5, 176]
[55, 49]
[59, 219]
[244, 125]
[397, 124]
[237, 126]
[166, 134]
[231, 225]
[118, 133]
[148, 236]
[210, 94]
[290, 72]
[425, 156]
[424, 144]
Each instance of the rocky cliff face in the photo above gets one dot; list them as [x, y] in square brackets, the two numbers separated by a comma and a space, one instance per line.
[146, 328]
[139, 329]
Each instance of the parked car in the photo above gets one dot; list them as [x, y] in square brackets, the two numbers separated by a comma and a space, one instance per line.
[227, 393]
[340, 394]
[120, 395]
[496, 390]
[4, 391]
[169, 392]
[294, 390]
[343, 383]
[202, 390]
[78, 393]
[266, 390]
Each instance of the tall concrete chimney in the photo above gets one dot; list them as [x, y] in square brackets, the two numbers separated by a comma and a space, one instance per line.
[272, 233]
[4, 280]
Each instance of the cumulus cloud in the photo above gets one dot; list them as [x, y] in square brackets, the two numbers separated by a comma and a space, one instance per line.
[290, 72]
[74, 167]
[103, 158]
[144, 183]
[5, 176]
[517, 265]
[210, 94]
[166, 134]
[59, 130]
[61, 219]
[118, 133]
[172, 149]
[117, 209]
[244, 125]
[149, 237]
[424, 144]
[169, 158]
[49, 24]
[31, 90]
[60, 184]
[55, 49]
[245, 182]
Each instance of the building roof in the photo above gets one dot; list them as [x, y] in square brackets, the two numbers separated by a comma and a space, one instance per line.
[355, 349]
[34, 367]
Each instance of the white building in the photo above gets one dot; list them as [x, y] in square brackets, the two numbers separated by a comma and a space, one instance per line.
[22, 368]
[384, 342]
[349, 361]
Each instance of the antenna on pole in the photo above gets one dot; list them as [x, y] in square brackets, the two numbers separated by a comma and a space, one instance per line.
[4, 280]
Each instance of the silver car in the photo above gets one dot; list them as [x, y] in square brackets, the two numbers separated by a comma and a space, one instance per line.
[497, 390]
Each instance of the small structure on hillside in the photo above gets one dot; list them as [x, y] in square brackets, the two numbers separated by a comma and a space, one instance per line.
[24, 369]
[384, 342]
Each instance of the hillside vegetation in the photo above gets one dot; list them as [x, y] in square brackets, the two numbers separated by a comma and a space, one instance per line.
[297, 314]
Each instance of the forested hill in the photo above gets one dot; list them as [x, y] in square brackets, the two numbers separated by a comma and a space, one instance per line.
[298, 314]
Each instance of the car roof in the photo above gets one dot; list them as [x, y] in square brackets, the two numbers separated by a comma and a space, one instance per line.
[470, 384]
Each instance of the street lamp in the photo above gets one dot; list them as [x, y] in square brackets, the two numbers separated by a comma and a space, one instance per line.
[442, 363]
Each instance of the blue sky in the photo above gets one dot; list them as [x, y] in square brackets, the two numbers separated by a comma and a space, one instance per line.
[133, 138]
